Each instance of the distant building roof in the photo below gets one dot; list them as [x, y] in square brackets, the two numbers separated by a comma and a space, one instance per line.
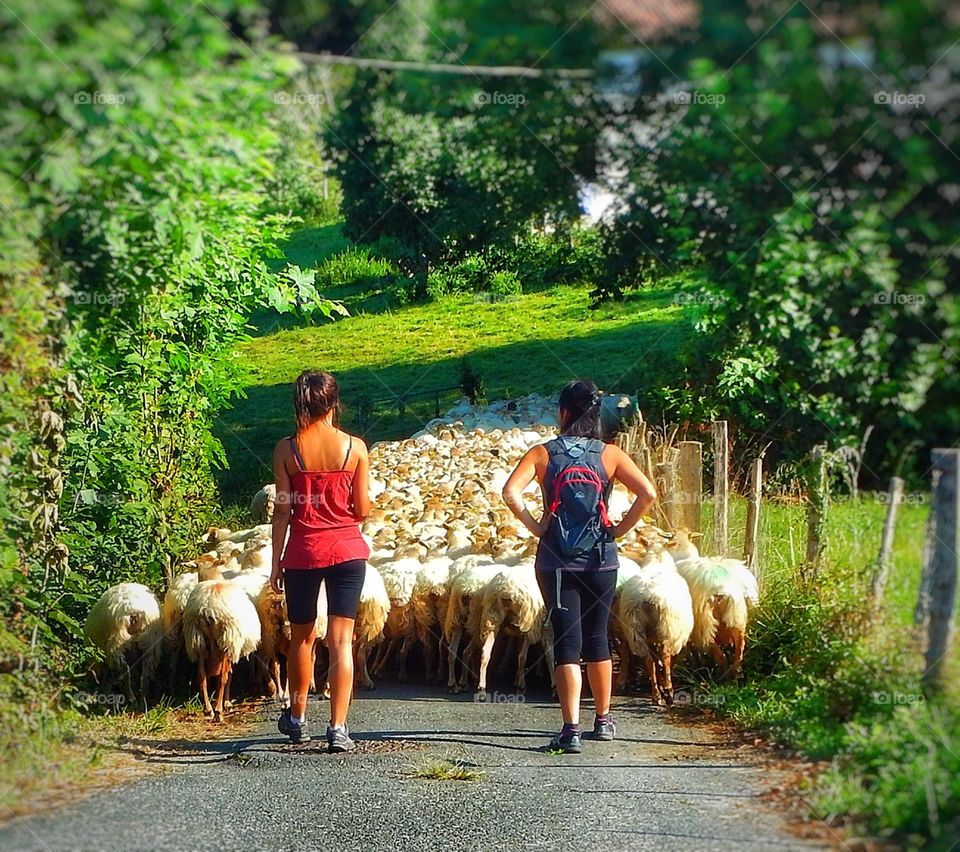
[648, 19]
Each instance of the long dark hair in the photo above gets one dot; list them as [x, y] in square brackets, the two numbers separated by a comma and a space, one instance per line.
[580, 409]
[314, 394]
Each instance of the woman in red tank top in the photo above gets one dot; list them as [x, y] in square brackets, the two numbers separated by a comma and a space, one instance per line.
[322, 478]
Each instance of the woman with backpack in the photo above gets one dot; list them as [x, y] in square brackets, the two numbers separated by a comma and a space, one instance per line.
[576, 560]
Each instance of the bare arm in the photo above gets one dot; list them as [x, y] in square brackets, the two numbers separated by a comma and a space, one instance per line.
[630, 475]
[281, 512]
[361, 482]
[523, 474]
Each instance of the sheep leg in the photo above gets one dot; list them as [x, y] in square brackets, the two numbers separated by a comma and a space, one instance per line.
[626, 665]
[719, 658]
[520, 681]
[486, 650]
[225, 669]
[452, 649]
[425, 638]
[381, 655]
[442, 661]
[204, 693]
[667, 690]
[362, 677]
[465, 666]
[404, 650]
[226, 690]
[739, 646]
[651, 666]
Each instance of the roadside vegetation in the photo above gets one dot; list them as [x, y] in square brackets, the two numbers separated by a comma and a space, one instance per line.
[190, 223]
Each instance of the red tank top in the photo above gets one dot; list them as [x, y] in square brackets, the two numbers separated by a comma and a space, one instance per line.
[323, 530]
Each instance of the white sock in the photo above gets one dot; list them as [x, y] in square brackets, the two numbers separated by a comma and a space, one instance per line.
[297, 721]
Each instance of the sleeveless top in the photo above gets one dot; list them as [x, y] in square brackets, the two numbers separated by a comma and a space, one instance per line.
[593, 560]
[323, 530]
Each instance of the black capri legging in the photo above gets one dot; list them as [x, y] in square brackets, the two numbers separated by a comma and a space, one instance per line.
[580, 629]
[344, 582]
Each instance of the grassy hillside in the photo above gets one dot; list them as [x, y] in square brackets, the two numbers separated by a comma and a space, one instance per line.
[534, 342]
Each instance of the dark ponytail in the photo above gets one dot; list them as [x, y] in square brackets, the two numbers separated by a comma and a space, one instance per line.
[315, 394]
[580, 409]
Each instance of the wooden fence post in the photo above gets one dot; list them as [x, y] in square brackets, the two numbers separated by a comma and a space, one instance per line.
[753, 515]
[666, 485]
[721, 487]
[691, 484]
[879, 581]
[944, 566]
[818, 495]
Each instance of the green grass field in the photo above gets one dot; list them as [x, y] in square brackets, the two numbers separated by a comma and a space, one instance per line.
[535, 342]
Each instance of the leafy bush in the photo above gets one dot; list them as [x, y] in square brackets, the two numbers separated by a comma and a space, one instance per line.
[148, 226]
[358, 266]
[830, 286]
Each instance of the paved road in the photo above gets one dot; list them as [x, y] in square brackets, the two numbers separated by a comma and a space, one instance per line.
[660, 786]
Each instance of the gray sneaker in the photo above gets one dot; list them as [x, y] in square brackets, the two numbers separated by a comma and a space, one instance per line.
[338, 739]
[604, 730]
[567, 741]
[297, 733]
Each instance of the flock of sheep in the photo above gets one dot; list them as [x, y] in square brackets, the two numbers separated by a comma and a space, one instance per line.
[450, 571]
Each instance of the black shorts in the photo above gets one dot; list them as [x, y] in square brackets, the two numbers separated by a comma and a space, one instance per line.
[343, 584]
[581, 616]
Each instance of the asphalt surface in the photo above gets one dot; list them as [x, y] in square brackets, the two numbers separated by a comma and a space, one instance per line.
[660, 785]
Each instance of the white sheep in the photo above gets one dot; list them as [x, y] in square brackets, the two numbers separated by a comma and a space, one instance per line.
[468, 576]
[120, 625]
[220, 626]
[428, 603]
[171, 617]
[372, 615]
[261, 506]
[723, 591]
[654, 617]
[399, 633]
[510, 601]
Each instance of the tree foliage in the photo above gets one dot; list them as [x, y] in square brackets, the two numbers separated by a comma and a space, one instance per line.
[147, 139]
[810, 177]
[450, 164]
